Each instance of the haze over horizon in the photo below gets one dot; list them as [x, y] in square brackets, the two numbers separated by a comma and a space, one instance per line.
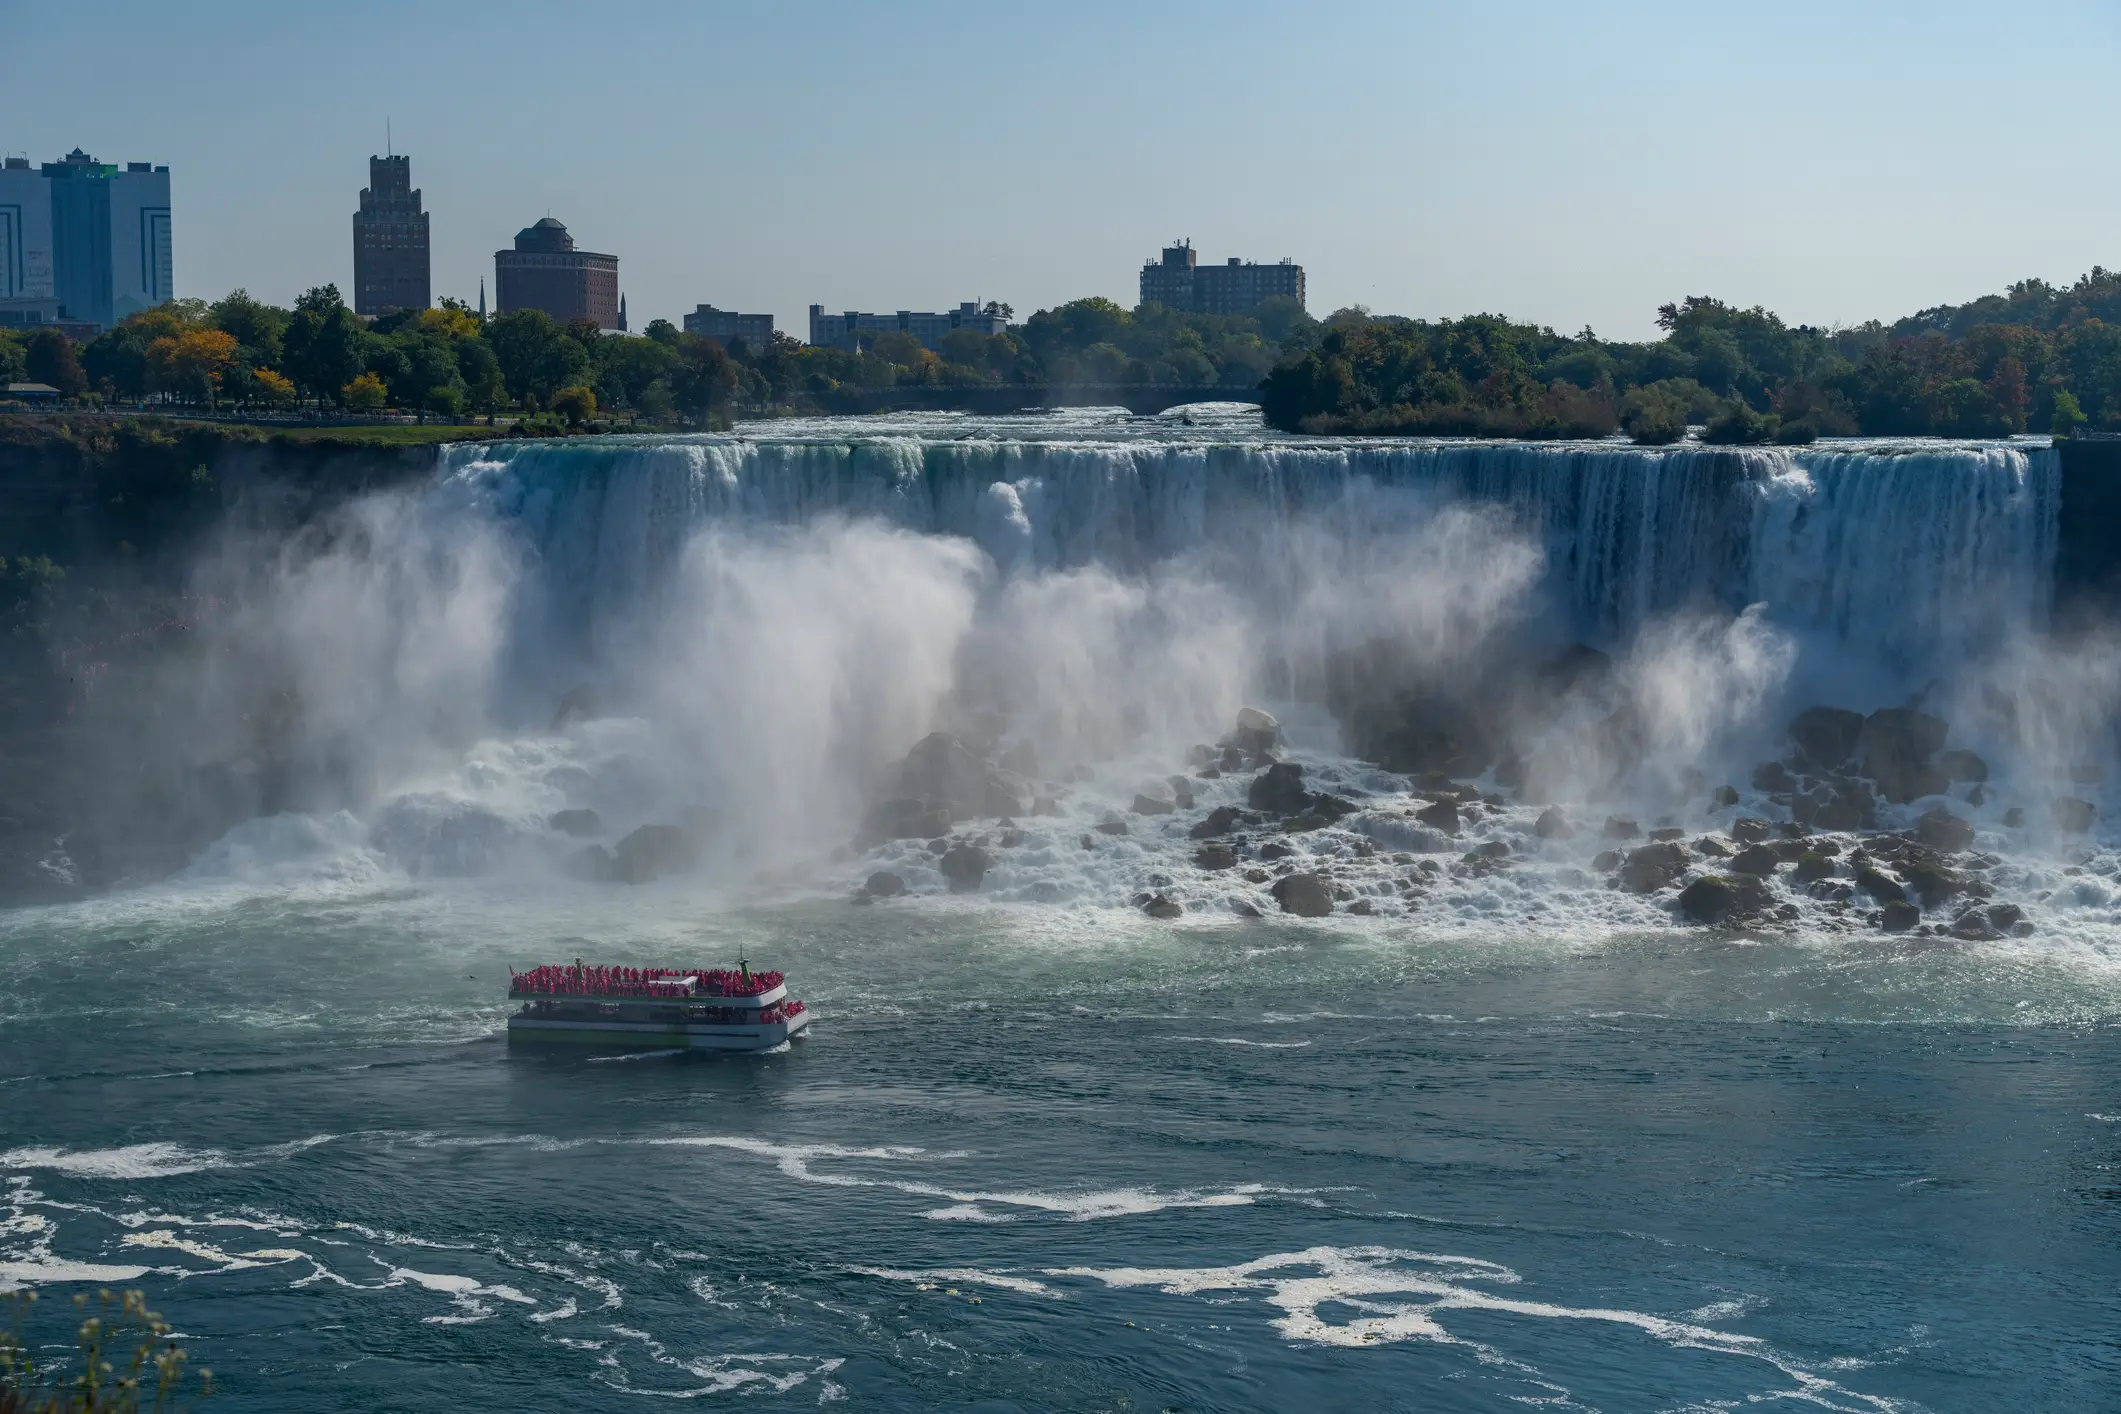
[1554, 165]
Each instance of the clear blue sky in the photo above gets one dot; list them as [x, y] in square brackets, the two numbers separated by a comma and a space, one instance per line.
[1567, 163]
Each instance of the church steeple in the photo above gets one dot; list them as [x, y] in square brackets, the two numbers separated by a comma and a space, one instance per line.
[482, 298]
[622, 314]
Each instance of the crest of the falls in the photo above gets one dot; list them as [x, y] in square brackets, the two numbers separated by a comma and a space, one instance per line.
[1907, 553]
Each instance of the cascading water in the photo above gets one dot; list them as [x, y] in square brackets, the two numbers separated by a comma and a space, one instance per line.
[1907, 551]
[766, 622]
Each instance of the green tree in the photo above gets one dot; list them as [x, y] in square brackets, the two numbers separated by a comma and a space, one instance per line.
[705, 379]
[577, 404]
[662, 331]
[324, 346]
[537, 358]
[51, 359]
[256, 326]
[2068, 416]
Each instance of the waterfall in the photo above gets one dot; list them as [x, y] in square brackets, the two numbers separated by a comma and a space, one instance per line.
[1913, 553]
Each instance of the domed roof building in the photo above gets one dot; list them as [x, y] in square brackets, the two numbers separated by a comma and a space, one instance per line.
[546, 272]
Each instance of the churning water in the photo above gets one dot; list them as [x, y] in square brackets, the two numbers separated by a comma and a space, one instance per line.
[1510, 1137]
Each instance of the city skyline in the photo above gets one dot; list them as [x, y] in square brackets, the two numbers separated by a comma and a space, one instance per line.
[1421, 160]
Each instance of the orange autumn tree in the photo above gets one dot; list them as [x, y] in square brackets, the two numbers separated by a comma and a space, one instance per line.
[189, 364]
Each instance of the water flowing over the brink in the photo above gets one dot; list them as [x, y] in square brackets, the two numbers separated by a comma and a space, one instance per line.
[1907, 551]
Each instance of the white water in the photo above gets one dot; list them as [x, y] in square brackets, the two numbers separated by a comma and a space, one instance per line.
[769, 620]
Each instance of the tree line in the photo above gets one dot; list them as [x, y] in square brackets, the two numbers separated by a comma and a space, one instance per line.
[240, 354]
[2039, 358]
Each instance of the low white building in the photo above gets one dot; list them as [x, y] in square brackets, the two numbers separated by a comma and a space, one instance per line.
[844, 330]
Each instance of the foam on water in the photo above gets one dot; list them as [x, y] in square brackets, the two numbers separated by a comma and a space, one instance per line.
[1391, 1295]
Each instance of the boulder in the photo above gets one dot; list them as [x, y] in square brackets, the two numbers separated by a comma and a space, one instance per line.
[1420, 733]
[1841, 811]
[1811, 867]
[1279, 790]
[2004, 917]
[579, 823]
[1929, 881]
[1243, 908]
[1215, 856]
[1940, 829]
[1619, 827]
[593, 863]
[1151, 805]
[578, 703]
[1756, 860]
[1511, 773]
[652, 851]
[1553, 825]
[1826, 735]
[1653, 867]
[1606, 860]
[1963, 765]
[1361, 907]
[941, 768]
[2074, 816]
[1773, 776]
[1272, 850]
[1219, 821]
[1712, 847]
[1882, 887]
[1181, 791]
[907, 818]
[1747, 830]
[1112, 827]
[964, 866]
[1159, 906]
[1898, 916]
[884, 884]
[1973, 926]
[1305, 895]
[1201, 756]
[1723, 898]
[1443, 815]
[2014, 818]
[1897, 744]
[1725, 797]
[1256, 731]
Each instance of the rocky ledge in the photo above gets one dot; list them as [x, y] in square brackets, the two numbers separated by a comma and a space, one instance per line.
[1865, 824]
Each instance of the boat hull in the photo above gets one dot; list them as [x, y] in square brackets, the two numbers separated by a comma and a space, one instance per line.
[653, 1036]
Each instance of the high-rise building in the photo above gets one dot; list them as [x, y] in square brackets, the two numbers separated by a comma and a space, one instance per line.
[390, 257]
[1236, 287]
[546, 272]
[83, 242]
[726, 326]
[845, 330]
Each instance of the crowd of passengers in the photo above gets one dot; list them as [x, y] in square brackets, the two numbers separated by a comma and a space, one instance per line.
[558, 979]
[720, 1015]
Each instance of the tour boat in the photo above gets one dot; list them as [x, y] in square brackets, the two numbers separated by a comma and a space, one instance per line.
[653, 1008]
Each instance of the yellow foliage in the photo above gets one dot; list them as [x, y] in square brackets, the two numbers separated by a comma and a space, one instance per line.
[452, 322]
[273, 388]
[190, 362]
[366, 393]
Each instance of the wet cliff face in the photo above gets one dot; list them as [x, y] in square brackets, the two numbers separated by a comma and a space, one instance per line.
[104, 527]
